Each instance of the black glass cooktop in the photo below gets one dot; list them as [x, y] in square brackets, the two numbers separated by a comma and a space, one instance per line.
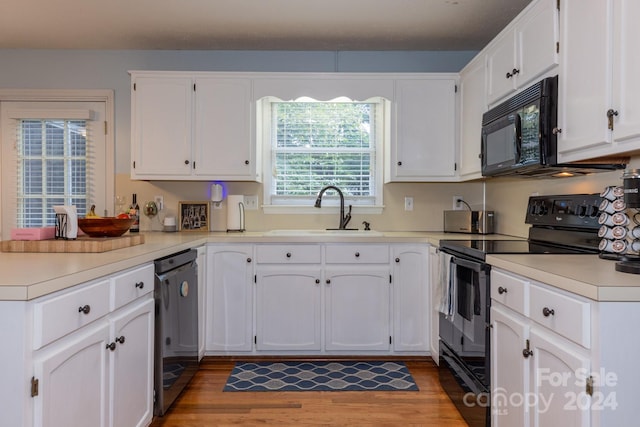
[479, 248]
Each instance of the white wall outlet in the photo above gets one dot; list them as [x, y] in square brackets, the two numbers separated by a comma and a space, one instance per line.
[159, 202]
[251, 203]
[457, 206]
[408, 203]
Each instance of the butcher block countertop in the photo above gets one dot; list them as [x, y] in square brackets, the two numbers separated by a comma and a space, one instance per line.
[26, 276]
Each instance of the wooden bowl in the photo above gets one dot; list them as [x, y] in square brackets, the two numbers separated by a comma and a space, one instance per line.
[105, 227]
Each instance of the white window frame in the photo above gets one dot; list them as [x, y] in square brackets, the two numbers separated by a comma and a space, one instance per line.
[329, 205]
[66, 95]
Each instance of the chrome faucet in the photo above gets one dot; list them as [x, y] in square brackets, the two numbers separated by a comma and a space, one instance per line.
[344, 219]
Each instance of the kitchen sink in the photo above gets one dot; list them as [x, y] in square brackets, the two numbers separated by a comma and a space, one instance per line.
[329, 232]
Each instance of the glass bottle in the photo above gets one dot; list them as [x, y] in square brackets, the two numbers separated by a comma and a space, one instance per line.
[134, 212]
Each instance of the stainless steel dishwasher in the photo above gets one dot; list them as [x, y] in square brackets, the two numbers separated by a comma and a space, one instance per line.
[176, 326]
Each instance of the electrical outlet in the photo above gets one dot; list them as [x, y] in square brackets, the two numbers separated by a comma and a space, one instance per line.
[251, 203]
[159, 202]
[456, 204]
[408, 203]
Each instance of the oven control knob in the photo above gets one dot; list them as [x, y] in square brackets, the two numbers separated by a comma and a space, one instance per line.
[533, 209]
[593, 211]
[581, 211]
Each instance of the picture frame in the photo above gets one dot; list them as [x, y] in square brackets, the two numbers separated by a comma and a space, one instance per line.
[193, 216]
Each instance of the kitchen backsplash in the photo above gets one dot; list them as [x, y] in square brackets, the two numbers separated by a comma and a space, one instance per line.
[430, 200]
[506, 196]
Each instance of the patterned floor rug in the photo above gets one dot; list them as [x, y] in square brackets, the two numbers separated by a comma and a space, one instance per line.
[320, 376]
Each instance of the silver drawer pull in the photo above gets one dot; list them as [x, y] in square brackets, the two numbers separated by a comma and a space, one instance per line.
[84, 309]
[546, 312]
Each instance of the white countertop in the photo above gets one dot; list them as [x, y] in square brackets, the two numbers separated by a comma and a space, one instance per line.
[585, 275]
[26, 276]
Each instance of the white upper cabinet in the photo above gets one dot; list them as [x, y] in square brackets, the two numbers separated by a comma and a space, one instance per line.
[161, 126]
[224, 143]
[626, 69]
[524, 51]
[473, 104]
[189, 126]
[599, 112]
[423, 145]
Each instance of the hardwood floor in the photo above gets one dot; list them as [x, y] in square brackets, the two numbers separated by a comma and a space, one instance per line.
[204, 404]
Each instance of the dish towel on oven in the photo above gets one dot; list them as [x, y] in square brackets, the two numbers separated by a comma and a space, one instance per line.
[447, 286]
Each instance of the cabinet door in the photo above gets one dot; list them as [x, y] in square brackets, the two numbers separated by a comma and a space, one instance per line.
[73, 380]
[229, 298]
[536, 38]
[585, 76]
[473, 105]
[558, 373]
[223, 139]
[426, 130]
[509, 368]
[202, 298]
[132, 365]
[161, 127]
[357, 309]
[411, 298]
[435, 297]
[626, 69]
[288, 308]
[500, 65]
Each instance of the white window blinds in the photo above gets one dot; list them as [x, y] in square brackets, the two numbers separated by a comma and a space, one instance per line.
[52, 169]
[314, 144]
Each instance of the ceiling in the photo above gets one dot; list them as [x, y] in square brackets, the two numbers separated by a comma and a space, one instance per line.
[254, 24]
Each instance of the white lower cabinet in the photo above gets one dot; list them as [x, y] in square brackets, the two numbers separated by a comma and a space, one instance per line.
[434, 298]
[411, 299]
[544, 372]
[288, 308]
[317, 298]
[558, 369]
[73, 380]
[509, 376]
[202, 299]
[229, 293]
[357, 309]
[100, 373]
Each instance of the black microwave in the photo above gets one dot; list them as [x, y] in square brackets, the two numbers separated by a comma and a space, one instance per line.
[519, 136]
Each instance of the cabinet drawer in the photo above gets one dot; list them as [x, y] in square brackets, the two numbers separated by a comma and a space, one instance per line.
[131, 285]
[63, 314]
[565, 315]
[510, 291]
[291, 254]
[359, 254]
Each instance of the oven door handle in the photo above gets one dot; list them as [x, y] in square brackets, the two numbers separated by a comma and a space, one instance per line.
[475, 266]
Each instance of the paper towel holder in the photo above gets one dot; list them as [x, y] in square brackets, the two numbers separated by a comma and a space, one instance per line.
[241, 224]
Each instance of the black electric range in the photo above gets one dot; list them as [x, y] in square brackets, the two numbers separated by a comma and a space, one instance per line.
[559, 225]
[565, 224]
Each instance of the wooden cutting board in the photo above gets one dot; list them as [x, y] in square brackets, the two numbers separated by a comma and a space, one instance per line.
[81, 244]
